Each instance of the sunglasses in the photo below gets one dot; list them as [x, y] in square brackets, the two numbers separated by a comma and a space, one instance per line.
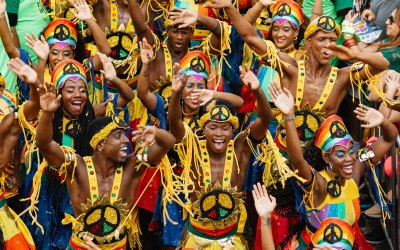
[391, 20]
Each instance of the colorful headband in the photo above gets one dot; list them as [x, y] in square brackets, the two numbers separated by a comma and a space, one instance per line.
[61, 32]
[219, 113]
[117, 122]
[332, 132]
[8, 103]
[287, 11]
[68, 70]
[196, 64]
[324, 23]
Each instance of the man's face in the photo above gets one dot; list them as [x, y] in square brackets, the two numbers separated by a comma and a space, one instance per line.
[115, 146]
[218, 135]
[318, 45]
[179, 39]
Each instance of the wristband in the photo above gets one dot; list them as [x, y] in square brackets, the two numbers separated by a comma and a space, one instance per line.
[290, 118]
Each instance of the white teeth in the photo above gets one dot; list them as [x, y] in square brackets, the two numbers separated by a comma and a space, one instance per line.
[123, 149]
[219, 141]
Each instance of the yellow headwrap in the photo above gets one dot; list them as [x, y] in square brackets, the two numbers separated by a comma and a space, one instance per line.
[117, 122]
[219, 113]
[324, 23]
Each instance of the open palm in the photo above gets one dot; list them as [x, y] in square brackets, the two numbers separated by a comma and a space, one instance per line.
[371, 117]
[23, 71]
[108, 70]
[264, 203]
[183, 18]
[49, 101]
[248, 78]
[282, 98]
[146, 51]
[82, 10]
[40, 47]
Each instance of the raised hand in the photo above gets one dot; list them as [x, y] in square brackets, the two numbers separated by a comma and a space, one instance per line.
[392, 80]
[82, 10]
[108, 70]
[368, 15]
[3, 6]
[146, 135]
[40, 47]
[282, 99]
[267, 2]
[371, 117]
[22, 70]
[350, 17]
[146, 51]
[341, 52]
[264, 203]
[179, 79]
[49, 101]
[184, 18]
[203, 95]
[248, 78]
[217, 4]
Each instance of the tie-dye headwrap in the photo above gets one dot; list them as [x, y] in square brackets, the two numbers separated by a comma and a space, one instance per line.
[324, 23]
[68, 70]
[196, 64]
[61, 32]
[287, 11]
[332, 132]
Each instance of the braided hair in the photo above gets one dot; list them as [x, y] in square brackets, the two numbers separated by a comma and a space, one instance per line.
[81, 140]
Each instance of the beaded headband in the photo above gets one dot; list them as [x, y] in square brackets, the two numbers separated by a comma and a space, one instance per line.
[219, 113]
[324, 23]
[117, 122]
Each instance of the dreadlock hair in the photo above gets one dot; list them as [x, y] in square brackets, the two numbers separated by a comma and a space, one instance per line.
[313, 155]
[81, 140]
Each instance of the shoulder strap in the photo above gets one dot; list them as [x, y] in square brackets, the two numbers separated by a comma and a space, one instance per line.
[300, 83]
[327, 89]
[94, 192]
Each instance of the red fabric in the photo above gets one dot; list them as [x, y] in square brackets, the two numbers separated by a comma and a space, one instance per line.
[249, 104]
[216, 233]
[360, 242]
[280, 229]
[148, 199]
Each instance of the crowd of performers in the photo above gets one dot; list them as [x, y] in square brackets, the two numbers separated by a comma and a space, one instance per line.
[190, 124]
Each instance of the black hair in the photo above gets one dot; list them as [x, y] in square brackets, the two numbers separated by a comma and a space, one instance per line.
[97, 124]
[313, 155]
[81, 140]
[209, 105]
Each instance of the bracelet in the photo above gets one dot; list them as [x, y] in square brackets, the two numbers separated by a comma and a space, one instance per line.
[251, 16]
[316, 13]
[290, 118]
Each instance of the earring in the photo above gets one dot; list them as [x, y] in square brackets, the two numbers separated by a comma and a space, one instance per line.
[329, 167]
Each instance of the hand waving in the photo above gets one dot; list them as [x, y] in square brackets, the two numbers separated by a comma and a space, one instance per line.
[40, 47]
[146, 51]
[282, 99]
[146, 135]
[178, 79]
[108, 70]
[49, 101]
[264, 203]
[267, 2]
[371, 117]
[22, 70]
[248, 78]
[182, 17]
[341, 52]
[203, 95]
[81, 11]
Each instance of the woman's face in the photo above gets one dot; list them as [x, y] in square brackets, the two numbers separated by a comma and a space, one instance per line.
[392, 26]
[342, 160]
[283, 35]
[192, 84]
[74, 96]
[57, 55]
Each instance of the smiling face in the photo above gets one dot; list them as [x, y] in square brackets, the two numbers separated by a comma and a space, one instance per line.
[74, 97]
[283, 35]
[192, 84]
[179, 39]
[317, 45]
[218, 135]
[342, 160]
[115, 146]
[57, 55]
[392, 26]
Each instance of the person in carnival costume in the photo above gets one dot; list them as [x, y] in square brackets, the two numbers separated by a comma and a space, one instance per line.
[217, 213]
[196, 65]
[70, 123]
[104, 183]
[13, 232]
[331, 198]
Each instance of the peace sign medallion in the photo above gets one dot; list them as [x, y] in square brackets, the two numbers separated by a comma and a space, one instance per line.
[197, 64]
[101, 220]
[61, 32]
[333, 188]
[326, 23]
[217, 205]
[284, 10]
[333, 233]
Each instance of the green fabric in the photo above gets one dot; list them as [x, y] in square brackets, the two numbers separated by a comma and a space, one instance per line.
[12, 6]
[67, 141]
[329, 9]
[31, 18]
[343, 4]
[393, 56]
[9, 76]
